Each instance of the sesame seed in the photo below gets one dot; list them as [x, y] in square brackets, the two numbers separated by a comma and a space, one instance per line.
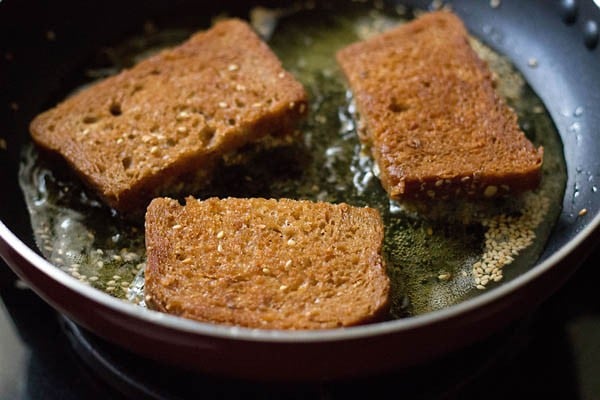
[222, 104]
[232, 67]
[176, 226]
[110, 288]
[93, 278]
[291, 242]
[494, 3]
[582, 212]
[116, 277]
[321, 119]
[506, 237]
[111, 282]
[281, 75]
[439, 183]
[154, 150]
[490, 191]
[288, 264]
[130, 256]
[265, 270]
[283, 287]
[220, 248]
[444, 277]
[240, 88]
[220, 235]
[182, 129]
[182, 115]
[100, 264]
[186, 260]
[256, 105]
[148, 297]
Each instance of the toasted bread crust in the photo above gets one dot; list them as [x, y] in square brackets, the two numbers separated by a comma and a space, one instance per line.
[134, 135]
[435, 124]
[269, 264]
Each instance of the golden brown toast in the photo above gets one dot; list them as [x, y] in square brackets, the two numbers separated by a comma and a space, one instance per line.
[168, 119]
[273, 264]
[435, 125]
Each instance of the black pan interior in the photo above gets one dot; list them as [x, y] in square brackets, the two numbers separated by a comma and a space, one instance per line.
[554, 44]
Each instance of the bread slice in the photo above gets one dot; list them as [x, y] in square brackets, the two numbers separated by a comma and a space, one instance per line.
[169, 118]
[276, 264]
[435, 124]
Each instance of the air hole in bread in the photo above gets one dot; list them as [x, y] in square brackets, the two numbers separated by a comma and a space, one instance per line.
[397, 106]
[126, 161]
[137, 88]
[231, 121]
[239, 103]
[208, 134]
[90, 119]
[115, 109]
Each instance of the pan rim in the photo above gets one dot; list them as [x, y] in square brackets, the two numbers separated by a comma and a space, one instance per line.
[282, 336]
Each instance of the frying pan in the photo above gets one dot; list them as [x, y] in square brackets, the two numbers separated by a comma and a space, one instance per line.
[42, 43]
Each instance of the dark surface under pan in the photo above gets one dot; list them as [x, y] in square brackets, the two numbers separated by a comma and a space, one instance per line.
[554, 44]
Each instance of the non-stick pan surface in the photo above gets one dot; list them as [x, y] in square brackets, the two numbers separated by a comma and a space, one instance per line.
[41, 43]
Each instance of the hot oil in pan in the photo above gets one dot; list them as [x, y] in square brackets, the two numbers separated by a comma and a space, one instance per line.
[438, 254]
